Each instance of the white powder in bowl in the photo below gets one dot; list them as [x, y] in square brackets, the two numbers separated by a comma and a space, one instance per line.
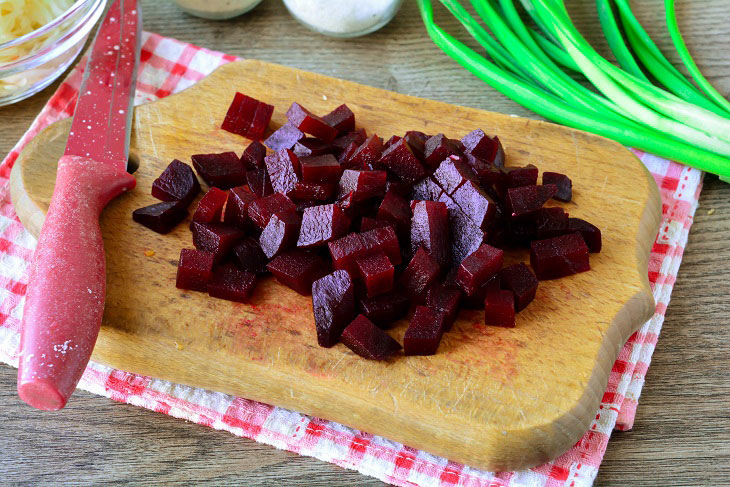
[343, 17]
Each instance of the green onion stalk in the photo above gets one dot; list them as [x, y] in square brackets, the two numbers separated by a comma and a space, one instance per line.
[673, 119]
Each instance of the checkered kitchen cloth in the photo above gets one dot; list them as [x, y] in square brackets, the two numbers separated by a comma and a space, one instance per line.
[169, 66]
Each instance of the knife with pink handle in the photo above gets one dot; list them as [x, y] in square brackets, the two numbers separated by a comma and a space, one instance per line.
[65, 298]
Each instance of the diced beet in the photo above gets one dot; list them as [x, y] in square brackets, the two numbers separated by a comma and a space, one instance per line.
[394, 208]
[321, 224]
[320, 169]
[345, 250]
[590, 233]
[452, 173]
[194, 270]
[417, 142]
[376, 273]
[260, 210]
[521, 281]
[347, 154]
[478, 268]
[400, 187]
[475, 204]
[161, 217]
[215, 237]
[386, 309]
[367, 224]
[422, 272]
[445, 302]
[223, 170]
[499, 309]
[280, 233]
[476, 301]
[250, 257]
[479, 167]
[365, 155]
[480, 145]
[426, 189]
[283, 169]
[312, 147]
[298, 269]
[438, 148]
[424, 333]
[430, 230]
[466, 236]
[526, 199]
[284, 137]
[333, 300]
[341, 119]
[538, 225]
[363, 184]
[237, 207]
[563, 183]
[259, 181]
[516, 177]
[248, 117]
[253, 156]
[559, 256]
[392, 140]
[317, 192]
[367, 340]
[309, 123]
[210, 207]
[356, 136]
[176, 183]
[228, 282]
[399, 159]
[384, 239]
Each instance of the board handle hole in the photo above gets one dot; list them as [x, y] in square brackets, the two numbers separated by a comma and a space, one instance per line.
[132, 163]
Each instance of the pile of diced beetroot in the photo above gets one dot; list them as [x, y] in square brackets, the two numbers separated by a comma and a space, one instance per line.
[370, 228]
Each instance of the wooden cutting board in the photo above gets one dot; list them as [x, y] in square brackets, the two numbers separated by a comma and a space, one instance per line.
[493, 398]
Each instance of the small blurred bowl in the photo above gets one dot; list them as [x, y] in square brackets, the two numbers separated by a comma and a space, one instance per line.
[60, 41]
[217, 9]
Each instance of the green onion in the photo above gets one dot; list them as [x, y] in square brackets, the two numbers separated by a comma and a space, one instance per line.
[527, 65]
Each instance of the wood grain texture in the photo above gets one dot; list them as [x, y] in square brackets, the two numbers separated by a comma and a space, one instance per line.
[566, 341]
[682, 429]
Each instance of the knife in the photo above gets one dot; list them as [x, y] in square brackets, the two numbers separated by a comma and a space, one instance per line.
[65, 296]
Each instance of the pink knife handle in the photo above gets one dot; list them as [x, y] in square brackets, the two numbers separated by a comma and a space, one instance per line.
[65, 298]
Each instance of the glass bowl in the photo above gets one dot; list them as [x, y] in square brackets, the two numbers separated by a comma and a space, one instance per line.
[46, 52]
[336, 19]
[217, 9]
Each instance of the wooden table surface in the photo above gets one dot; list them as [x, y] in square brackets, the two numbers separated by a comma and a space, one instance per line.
[682, 430]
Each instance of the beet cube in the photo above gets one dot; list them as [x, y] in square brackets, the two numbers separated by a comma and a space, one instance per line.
[341, 119]
[253, 156]
[445, 302]
[424, 333]
[321, 224]
[280, 233]
[259, 181]
[559, 256]
[223, 170]
[475, 204]
[384, 239]
[499, 309]
[215, 237]
[320, 169]
[376, 272]
[283, 169]
[384, 310]
[194, 270]
[367, 340]
[344, 251]
[309, 123]
[516, 177]
[400, 160]
[176, 183]
[563, 183]
[367, 224]
[312, 147]
[452, 173]
[228, 282]
[312, 192]
[365, 155]
[333, 300]
[480, 145]
[590, 233]
[298, 269]
[426, 189]
[521, 281]
[347, 154]
[438, 148]
[396, 209]
[392, 140]
[416, 141]
[284, 137]
[260, 210]
[430, 230]
[236, 213]
[526, 199]
[250, 257]
[210, 207]
[422, 272]
[400, 187]
[538, 225]
[161, 217]
[248, 117]
[466, 236]
[356, 136]
[478, 268]
[476, 301]
[363, 184]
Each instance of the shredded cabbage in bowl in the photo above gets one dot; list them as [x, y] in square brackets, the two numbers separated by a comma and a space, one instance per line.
[21, 17]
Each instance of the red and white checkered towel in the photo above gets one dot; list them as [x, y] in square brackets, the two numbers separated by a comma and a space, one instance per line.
[169, 66]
